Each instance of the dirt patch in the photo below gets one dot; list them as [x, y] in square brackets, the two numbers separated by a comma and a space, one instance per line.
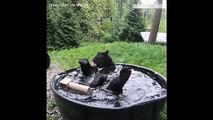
[52, 109]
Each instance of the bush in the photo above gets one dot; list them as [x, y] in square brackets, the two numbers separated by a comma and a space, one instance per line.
[107, 37]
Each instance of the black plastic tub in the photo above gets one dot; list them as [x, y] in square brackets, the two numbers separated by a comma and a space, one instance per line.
[74, 110]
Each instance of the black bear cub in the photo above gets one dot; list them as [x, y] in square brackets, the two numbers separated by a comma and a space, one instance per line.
[86, 68]
[104, 61]
[117, 83]
[99, 80]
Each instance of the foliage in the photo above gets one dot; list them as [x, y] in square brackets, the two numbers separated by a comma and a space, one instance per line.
[71, 23]
[63, 27]
[135, 25]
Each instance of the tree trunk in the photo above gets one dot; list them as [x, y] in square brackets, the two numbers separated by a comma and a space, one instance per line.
[155, 24]
[121, 8]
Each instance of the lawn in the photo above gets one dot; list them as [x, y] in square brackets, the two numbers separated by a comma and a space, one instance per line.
[151, 56]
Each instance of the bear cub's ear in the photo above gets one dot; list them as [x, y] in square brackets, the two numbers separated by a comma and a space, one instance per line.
[106, 52]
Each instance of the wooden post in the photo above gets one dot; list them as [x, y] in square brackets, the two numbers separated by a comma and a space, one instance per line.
[144, 18]
[156, 19]
[155, 24]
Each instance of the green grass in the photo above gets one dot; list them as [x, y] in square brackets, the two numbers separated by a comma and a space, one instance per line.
[151, 56]
[162, 27]
[49, 117]
[51, 105]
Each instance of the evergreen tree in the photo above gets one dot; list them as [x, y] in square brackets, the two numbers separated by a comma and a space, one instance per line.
[134, 25]
[69, 29]
[63, 29]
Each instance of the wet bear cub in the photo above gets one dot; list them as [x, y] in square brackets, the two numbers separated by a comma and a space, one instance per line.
[86, 68]
[99, 80]
[104, 61]
[117, 83]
